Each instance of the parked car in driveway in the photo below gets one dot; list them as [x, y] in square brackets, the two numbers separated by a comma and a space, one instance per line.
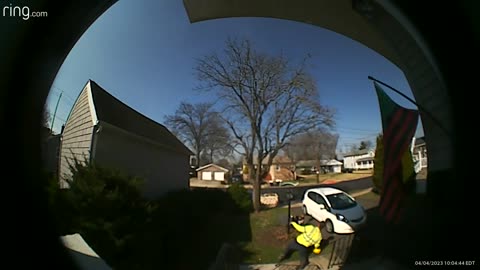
[237, 178]
[289, 184]
[340, 212]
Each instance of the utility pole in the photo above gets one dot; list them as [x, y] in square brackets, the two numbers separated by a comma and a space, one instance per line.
[55, 112]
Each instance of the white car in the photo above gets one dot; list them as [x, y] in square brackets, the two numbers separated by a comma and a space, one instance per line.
[340, 212]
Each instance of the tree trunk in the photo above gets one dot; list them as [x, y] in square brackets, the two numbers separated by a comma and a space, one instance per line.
[251, 175]
[257, 189]
[197, 161]
[318, 170]
[211, 156]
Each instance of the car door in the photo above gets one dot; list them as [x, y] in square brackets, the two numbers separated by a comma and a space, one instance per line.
[311, 204]
[315, 200]
[323, 214]
[328, 213]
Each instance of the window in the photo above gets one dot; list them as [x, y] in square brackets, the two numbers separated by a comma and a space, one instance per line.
[341, 201]
[320, 200]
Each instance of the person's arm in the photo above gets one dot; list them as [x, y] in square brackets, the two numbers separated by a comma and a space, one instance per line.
[298, 227]
[317, 244]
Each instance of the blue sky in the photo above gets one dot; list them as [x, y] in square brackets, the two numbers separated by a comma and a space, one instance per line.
[144, 54]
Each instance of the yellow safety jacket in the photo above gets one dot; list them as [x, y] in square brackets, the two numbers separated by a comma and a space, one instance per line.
[310, 235]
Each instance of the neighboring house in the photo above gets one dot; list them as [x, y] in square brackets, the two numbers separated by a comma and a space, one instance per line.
[419, 153]
[331, 166]
[326, 166]
[359, 160]
[212, 172]
[365, 163]
[282, 169]
[101, 128]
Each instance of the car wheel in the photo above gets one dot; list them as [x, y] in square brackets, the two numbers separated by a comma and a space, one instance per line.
[329, 226]
[305, 211]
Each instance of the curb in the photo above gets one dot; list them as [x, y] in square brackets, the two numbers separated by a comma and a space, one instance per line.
[361, 192]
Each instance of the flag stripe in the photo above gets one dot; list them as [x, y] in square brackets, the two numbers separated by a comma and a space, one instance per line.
[393, 141]
[394, 205]
[396, 120]
[405, 130]
[397, 117]
[387, 197]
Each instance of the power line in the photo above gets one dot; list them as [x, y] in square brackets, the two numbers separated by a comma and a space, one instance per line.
[55, 112]
[356, 129]
[65, 93]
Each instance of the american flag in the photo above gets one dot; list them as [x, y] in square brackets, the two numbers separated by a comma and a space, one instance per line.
[399, 126]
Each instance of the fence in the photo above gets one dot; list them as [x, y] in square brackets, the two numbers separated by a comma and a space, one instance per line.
[340, 250]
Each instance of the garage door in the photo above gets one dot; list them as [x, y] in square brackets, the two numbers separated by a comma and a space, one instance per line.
[206, 175]
[219, 176]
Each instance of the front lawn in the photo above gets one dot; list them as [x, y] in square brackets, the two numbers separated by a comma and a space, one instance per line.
[312, 179]
[269, 237]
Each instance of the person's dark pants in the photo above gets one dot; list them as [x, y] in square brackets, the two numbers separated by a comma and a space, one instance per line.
[302, 252]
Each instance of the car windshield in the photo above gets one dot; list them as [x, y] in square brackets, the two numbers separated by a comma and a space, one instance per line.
[341, 201]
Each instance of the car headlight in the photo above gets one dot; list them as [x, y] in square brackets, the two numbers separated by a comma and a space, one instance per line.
[342, 218]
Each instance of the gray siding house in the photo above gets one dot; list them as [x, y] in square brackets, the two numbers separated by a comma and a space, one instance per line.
[102, 129]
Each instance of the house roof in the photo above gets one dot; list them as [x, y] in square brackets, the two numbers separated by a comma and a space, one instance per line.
[213, 165]
[333, 162]
[419, 141]
[111, 110]
[356, 153]
[312, 163]
[276, 160]
[364, 159]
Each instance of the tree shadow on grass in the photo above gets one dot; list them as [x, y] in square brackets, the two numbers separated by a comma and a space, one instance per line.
[188, 229]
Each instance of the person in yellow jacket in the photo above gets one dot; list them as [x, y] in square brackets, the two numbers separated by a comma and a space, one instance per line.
[309, 236]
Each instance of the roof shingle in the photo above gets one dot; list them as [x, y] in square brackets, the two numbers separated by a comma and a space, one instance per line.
[111, 110]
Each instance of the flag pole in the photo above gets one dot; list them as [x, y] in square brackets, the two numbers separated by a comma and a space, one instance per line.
[420, 108]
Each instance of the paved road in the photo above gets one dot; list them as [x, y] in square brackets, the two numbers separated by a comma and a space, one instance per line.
[298, 191]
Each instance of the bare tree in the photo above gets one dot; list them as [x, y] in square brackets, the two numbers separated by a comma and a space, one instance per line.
[266, 99]
[218, 140]
[191, 124]
[312, 145]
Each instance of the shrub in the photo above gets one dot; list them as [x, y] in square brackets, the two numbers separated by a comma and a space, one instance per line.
[241, 197]
[106, 208]
[104, 205]
[377, 177]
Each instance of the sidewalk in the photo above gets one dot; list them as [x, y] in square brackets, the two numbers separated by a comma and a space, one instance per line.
[317, 262]
[320, 262]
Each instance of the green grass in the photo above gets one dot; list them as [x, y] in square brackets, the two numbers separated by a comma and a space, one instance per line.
[269, 237]
[312, 179]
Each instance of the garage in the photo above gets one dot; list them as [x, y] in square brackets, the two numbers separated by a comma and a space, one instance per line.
[219, 176]
[212, 172]
[206, 175]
